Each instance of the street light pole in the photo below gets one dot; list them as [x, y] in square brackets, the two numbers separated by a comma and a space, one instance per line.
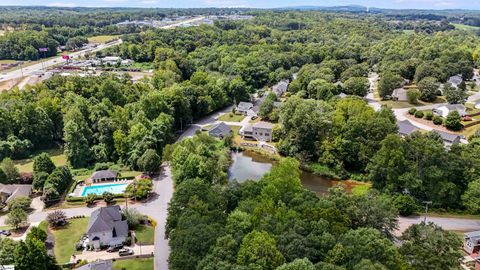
[426, 210]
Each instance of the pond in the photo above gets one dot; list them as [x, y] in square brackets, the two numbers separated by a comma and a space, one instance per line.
[249, 165]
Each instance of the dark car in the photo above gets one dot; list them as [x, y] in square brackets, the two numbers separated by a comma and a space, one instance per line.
[125, 252]
[114, 249]
[5, 232]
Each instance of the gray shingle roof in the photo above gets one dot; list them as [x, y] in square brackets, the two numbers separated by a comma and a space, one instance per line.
[263, 125]
[244, 106]
[281, 87]
[100, 265]
[405, 127]
[106, 219]
[219, 130]
[15, 191]
[448, 137]
[104, 174]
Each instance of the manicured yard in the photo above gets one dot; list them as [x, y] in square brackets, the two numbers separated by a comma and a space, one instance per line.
[26, 165]
[67, 237]
[465, 27]
[145, 235]
[102, 39]
[134, 264]
[231, 117]
[360, 190]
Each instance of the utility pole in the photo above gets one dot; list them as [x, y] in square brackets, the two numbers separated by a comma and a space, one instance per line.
[426, 210]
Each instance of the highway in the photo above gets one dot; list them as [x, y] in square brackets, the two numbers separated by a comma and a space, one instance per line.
[33, 69]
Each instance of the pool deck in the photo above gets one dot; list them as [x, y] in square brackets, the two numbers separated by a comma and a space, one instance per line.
[79, 188]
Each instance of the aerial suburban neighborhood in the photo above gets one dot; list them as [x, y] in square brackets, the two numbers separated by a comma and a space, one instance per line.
[274, 136]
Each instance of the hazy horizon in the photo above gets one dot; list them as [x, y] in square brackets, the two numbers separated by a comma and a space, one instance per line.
[389, 4]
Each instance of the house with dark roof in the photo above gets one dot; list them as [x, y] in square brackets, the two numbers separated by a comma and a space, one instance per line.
[405, 128]
[104, 175]
[106, 227]
[10, 192]
[220, 130]
[449, 139]
[98, 265]
[243, 107]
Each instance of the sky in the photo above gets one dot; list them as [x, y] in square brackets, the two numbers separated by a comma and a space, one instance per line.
[396, 4]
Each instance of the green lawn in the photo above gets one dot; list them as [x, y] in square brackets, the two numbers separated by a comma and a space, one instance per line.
[102, 39]
[134, 264]
[67, 237]
[465, 27]
[26, 165]
[43, 226]
[231, 117]
[145, 235]
[360, 190]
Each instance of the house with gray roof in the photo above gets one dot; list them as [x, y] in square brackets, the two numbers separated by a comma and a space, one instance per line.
[471, 242]
[449, 139]
[243, 107]
[444, 110]
[106, 227]
[10, 192]
[280, 88]
[220, 130]
[104, 175]
[98, 265]
[405, 128]
[261, 131]
[456, 80]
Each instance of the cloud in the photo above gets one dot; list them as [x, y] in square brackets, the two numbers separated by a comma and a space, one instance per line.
[61, 4]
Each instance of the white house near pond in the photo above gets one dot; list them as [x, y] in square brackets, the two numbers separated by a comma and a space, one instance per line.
[106, 227]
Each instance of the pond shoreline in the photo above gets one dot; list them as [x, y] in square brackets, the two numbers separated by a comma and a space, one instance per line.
[247, 164]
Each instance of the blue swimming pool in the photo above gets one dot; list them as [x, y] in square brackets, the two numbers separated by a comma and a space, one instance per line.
[100, 189]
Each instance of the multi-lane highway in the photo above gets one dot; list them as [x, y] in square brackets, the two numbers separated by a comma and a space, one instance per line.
[33, 69]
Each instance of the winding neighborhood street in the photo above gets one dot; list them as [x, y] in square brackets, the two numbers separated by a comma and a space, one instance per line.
[157, 206]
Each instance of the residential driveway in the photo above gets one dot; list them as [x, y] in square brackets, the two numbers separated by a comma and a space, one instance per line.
[104, 255]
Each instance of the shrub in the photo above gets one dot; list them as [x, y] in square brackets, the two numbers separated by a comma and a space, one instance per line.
[21, 202]
[57, 218]
[413, 96]
[419, 114]
[90, 198]
[128, 241]
[16, 218]
[429, 116]
[108, 197]
[133, 217]
[405, 204]
[453, 121]
[74, 199]
[26, 178]
[437, 120]
[412, 111]
[102, 166]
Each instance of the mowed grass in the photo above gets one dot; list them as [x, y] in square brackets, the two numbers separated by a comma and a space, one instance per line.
[231, 117]
[145, 235]
[465, 27]
[134, 264]
[67, 237]
[57, 156]
[102, 39]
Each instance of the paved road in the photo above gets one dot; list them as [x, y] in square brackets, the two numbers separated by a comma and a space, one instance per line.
[31, 70]
[453, 224]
